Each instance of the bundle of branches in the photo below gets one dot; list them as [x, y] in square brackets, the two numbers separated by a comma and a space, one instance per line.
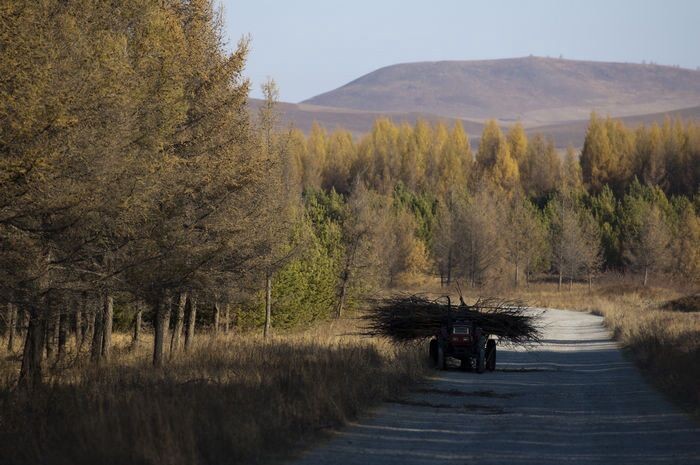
[410, 318]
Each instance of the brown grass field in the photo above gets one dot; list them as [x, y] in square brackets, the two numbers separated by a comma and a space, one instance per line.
[241, 399]
[236, 399]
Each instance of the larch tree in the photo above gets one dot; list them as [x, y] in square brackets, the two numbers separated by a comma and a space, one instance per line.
[495, 160]
[649, 242]
[575, 240]
[685, 242]
[597, 160]
[571, 179]
[525, 241]
[517, 143]
[479, 244]
[540, 168]
[361, 238]
[649, 162]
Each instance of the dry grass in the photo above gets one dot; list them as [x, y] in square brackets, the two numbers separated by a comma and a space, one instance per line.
[236, 399]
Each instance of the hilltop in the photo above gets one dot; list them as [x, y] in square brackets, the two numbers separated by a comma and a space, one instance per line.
[537, 91]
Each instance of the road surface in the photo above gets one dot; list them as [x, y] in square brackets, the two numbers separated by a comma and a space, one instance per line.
[576, 399]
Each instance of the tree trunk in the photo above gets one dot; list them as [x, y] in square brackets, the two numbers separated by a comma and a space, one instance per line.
[90, 316]
[517, 273]
[98, 334]
[30, 374]
[161, 322]
[343, 292]
[63, 324]
[561, 277]
[108, 317]
[646, 276]
[217, 316]
[191, 320]
[590, 283]
[23, 320]
[571, 283]
[11, 326]
[268, 304]
[179, 321]
[52, 330]
[449, 266]
[78, 327]
[227, 317]
[137, 324]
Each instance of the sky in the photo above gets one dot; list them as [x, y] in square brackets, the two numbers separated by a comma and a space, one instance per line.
[313, 46]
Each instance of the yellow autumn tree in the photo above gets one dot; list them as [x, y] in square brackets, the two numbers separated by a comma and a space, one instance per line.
[495, 160]
[597, 160]
[517, 142]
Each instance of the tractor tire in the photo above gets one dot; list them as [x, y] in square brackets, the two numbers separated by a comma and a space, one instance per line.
[481, 361]
[440, 365]
[432, 351]
[491, 355]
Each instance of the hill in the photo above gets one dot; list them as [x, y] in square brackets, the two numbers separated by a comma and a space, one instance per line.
[537, 91]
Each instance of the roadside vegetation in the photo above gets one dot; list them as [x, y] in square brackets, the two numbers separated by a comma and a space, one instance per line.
[163, 249]
[231, 399]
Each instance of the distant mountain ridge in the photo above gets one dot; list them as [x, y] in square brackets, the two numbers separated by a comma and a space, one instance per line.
[537, 91]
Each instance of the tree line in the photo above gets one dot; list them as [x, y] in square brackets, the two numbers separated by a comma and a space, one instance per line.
[138, 188]
[132, 174]
[516, 207]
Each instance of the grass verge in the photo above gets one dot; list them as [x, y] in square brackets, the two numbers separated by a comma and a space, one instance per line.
[232, 400]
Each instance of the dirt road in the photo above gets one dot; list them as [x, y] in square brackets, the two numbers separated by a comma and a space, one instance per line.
[573, 400]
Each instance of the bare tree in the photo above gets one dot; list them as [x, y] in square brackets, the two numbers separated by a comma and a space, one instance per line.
[575, 241]
[525, 242]
[480, 244]
[361, 229]
[649, 245]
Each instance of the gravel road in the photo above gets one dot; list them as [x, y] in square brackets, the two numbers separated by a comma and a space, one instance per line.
[576, 399]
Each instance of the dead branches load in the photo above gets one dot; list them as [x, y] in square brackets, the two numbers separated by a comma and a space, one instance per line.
[410, 318]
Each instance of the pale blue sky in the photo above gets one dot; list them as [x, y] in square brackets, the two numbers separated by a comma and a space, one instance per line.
[312, 46]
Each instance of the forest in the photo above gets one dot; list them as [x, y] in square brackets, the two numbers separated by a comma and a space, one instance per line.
[139, 190]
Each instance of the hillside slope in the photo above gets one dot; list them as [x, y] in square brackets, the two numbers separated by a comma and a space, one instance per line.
[538, 91]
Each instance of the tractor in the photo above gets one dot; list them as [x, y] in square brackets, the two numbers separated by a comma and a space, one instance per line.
[462, 339]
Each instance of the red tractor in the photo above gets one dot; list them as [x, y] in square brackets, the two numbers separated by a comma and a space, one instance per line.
[462, 339]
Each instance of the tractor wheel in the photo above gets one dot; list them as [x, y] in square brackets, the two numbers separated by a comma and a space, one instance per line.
[433, 351]
[481, 361]
[440, 365]
[491, 355]
[465, 364]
